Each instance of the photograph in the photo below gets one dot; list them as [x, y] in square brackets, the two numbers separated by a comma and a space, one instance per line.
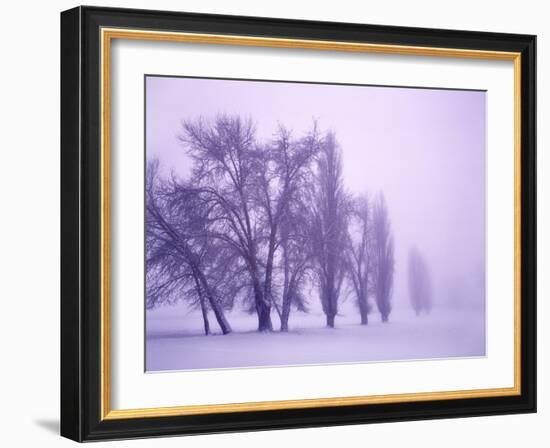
[292, 224]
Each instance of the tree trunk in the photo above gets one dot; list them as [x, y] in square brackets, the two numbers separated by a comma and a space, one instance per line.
[286, 290]
[277, 309]
[285, 313]
[216, 308]
[269, 267]
[205, 317]
[284, 324]
[330, 308]
[264, 317]
[363, 310]
[384, 318]
[220, 316]
[263, 309]
[204, 310]
[364, 317]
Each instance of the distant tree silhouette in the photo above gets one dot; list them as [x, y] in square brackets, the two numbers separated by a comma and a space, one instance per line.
[420, 286]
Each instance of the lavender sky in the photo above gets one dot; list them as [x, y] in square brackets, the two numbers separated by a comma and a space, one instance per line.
[424, 148]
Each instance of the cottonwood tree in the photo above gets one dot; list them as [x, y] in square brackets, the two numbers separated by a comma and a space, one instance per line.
[360, 254]
[223, 175]
[283, 173]
[179, 256]
[420, 287]
[295, 261]
[383, 257]
[329, 226]
[246, 188]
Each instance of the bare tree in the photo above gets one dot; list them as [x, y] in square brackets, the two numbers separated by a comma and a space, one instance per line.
[420, 287]
[283, 174]
[247, 188]
[177, 250]
[295, 261]
[225, 163]
[384, 257]
[329, 226]
[360, 249]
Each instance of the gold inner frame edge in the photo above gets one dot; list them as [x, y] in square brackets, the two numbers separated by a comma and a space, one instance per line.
[107, 35]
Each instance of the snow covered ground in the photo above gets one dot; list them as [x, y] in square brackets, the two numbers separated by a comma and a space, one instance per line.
[175, 340]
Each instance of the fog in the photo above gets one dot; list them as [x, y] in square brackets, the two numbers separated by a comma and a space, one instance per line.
[424, 148]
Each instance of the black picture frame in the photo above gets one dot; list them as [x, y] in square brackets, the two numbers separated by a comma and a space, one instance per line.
[81, 224]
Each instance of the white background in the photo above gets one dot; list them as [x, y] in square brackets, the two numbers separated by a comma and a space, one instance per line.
[29, 181]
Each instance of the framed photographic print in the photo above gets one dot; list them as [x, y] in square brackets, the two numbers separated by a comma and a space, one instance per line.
[272, 223]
